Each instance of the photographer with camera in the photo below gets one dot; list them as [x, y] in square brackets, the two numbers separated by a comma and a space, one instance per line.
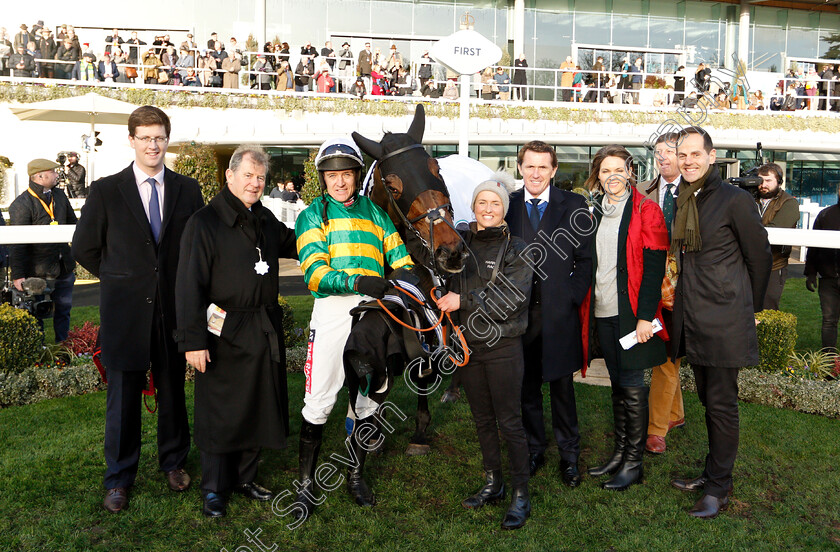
[778, 209]
[76, 176]
[43, 203]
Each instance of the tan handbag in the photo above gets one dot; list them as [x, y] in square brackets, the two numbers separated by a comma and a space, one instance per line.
[669, 282]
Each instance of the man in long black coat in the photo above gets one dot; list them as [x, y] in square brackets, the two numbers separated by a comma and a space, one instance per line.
[229, 258]
[725, 268]
[129, 236]
[558, 230]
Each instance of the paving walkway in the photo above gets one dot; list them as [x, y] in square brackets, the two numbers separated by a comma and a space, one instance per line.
[596, 374]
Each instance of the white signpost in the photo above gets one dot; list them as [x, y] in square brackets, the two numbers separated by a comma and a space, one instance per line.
[465, 52]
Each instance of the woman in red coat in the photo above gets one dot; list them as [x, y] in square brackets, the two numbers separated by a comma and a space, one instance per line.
[629, 251]
[380, 83]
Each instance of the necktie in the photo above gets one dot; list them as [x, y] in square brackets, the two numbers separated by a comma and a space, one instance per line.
[534, 215]
[154, 210]
[48, 196]
[668, 205]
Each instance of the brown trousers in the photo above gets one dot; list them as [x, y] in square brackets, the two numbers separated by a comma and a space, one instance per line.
[666, 402]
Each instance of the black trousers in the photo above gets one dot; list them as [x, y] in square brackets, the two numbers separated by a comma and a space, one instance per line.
[123, 411]
[220, 473]
[775, 287]
[492, 380]
[829, 290]
[717, 389]
[564, 420]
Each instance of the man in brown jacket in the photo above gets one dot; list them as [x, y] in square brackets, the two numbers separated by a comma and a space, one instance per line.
[778, 209]
[665, 397]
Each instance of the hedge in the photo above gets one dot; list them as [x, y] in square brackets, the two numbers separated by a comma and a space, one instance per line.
[776, 339]
[20, 339]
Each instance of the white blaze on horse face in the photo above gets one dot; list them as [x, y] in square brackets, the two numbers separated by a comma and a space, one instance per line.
[537, 171]
[340, 184]
[489, 210]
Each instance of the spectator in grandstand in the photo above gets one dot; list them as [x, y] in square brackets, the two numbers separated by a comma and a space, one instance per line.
[424, 73]
[211, 43]
[345, 68]
[231, 66]
[285, 78]
[450, 92]
[679, 85]
[47, 46]
[777, 100]
[488, 83]
[67, 55]
[185, 62]
[151, 67]
[309, 50]
[502, 83]
[395, 61]
[284, 52]
[263, 68]
[207, 67]
[113, 39]
[233, 46]
[76, 176]
[32, 50]
[191, 79]
[21, 63]
[636, 79]
[702, 78]
[329, 54]
[520, 78]
[303, 74]
[577, 84]
[218, 52]
[380, 82]
[811, 89]
[119, 57]
[404, 85]
[790, 98]
[377, 58]
[365, 64]
[22, 38]
[5, 52]
[566, 77]
[133, 50]
[323, 79]
[170, 61]
[358, 89]
[107, 69]
[190, 45]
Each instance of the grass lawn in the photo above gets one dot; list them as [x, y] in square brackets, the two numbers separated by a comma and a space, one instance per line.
[805, 305]
[786, 477]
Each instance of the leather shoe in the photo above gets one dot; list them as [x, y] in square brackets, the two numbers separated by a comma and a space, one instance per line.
[492, 491]
[676, 423]
[116, 500]
[709, 506]
[214, 505]
[179, 480]
[254, 491]
[519, 510]
[655, 444]
[569, 472]
[690, 485]
[535, 462]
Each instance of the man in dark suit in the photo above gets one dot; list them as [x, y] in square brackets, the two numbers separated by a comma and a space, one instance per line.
[129, 236]
[557, 227]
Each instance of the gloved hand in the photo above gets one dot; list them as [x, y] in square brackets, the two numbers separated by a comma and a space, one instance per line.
[811, 283]
[374, 286]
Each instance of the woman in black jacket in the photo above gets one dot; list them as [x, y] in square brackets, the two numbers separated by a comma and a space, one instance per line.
[520, 79]
[491, 298]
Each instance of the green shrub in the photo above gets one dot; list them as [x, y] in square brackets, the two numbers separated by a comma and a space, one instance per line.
[292, 335]
[295, 359]
[311, 185]
[776, 339]
[199, 161]
[817, 365]
[20, 339]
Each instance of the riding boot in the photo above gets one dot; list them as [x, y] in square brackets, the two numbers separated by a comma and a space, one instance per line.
[356, 484]
[519, 509]
[619, 423]
[631, 472]
[492, 491]
[310, 445]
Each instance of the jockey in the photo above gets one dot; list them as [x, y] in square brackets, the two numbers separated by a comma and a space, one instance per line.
[344, 241]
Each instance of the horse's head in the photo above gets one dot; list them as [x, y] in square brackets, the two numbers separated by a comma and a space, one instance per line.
[409, 188]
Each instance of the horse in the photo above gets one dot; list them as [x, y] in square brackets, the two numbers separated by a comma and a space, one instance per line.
[407, 184]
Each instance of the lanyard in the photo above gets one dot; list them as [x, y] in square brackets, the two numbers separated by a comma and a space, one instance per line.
[49, 209]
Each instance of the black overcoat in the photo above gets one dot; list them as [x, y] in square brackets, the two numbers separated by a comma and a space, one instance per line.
[113, 240]
[564, 267]
[722, 286]
[241, 400]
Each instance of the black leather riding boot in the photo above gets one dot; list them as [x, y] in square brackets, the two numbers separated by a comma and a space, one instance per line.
[620, 430]
[636, 410]
[519, 509]
[492, 491]
[310, 445]
[356, 484]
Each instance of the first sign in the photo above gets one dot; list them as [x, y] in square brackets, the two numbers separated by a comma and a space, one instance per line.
[465, 52]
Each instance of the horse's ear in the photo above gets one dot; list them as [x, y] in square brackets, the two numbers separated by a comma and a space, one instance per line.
[374, 149]
[418, 125]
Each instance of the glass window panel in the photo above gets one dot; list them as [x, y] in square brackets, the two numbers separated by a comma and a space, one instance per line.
[768, 45]
[663, 8]
[592, 22]
[286, 12]
[666, 32]
[391, 16]
[802, 38]
[348, 16]
[434, 19]
[829, 25]
[629, 30]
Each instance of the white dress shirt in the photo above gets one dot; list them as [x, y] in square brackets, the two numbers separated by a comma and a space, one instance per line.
[146, 190]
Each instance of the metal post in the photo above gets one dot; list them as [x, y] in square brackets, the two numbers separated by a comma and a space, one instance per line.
[464, 117]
